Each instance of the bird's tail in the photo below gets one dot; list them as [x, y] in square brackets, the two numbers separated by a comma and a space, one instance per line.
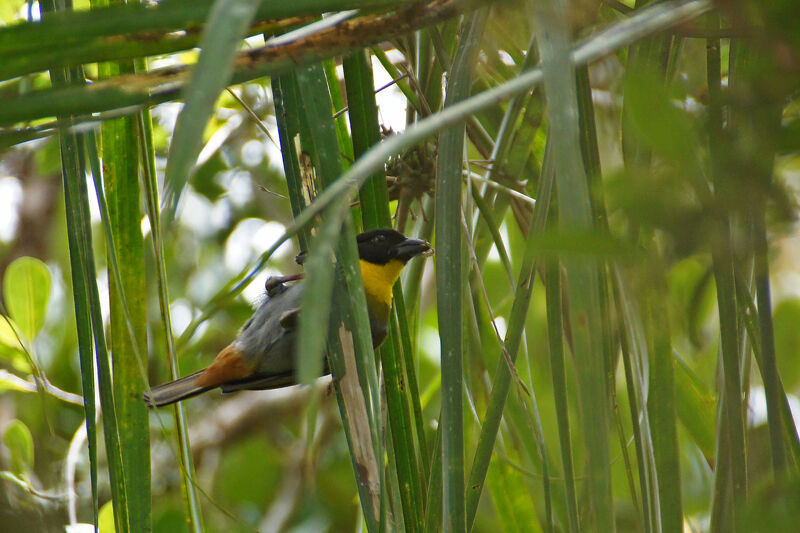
[174, 391]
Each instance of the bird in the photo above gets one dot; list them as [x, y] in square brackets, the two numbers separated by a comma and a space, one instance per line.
[263, 354]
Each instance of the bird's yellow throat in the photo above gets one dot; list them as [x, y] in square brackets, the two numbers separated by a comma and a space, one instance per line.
[379, 279]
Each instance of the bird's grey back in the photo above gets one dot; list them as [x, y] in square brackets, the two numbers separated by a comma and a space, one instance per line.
[269, 336]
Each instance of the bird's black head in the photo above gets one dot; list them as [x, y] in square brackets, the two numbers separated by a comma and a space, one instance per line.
[379, 246]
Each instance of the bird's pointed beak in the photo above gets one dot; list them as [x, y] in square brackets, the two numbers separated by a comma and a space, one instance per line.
[410, 248]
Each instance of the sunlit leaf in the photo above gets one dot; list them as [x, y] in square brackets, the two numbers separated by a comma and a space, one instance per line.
[9, 335]
[26, 286]
[105, 522]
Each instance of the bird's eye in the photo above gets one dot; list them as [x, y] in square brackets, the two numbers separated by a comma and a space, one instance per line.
[378, 238]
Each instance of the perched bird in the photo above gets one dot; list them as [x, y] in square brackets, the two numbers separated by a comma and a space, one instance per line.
[263, 355]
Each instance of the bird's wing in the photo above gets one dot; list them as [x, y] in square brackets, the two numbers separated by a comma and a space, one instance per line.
[263, 349]
[267, 341]
[274, 381]
[289, 318]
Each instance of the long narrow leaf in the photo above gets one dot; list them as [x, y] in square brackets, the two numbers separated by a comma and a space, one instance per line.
[745, 63]
[363, 113]
[575, 212]
[663, 418]
[726, 294]
[128, 313]
[228, 21]
[349, 347]
[554, 335]
[82, 260]
[149, 182]
[449, 284]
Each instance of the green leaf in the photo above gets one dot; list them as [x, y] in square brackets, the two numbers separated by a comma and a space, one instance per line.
[575, 213]
[128, 318]
[660, 125]
[449, 278]
[510, 498]
[105, 520]
[696, 407]
[26, 286]
[19, 442]
[9, 335]
[787, 341]
[773, 507]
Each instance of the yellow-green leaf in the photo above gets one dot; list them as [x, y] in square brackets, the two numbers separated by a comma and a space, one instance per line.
[27, 289]
[19, 442]
[105, 520]
[8, 337]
